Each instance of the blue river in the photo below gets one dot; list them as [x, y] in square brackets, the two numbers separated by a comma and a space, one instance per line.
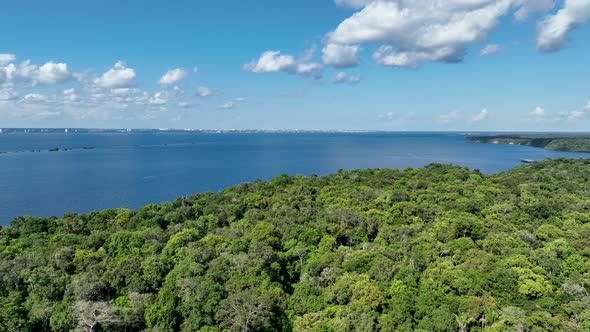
[135, 169]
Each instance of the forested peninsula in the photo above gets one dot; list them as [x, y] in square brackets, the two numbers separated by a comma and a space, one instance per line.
[441, 248]
[571, 143]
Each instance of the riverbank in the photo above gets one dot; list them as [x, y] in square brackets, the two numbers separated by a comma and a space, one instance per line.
[569, 143]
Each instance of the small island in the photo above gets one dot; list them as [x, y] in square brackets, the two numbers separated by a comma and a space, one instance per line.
[554, 142]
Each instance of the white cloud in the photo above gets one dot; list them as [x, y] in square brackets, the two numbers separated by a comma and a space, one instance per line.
[184, 104]
[25, 74]
[227, 106]
[450, 117]
[7, 95]
[29, 75]
[52, 73]
[389, 56]
[414, 31]
[274, 61]
[482, 115]
[71, 97]
[389, 116]
[159, 98]
[553, 30]
[340, 56]
[240, 99]
[342, 78]
[354, 79]
[119, 76]
[538, 114]
[36, 98]
[312, 70]
[489, 49]
[529, 7]
[270, 62]
[173, 76]
[124, 92]
[353, 3]
[576, 115]
[195, 69]
[204, 91]
[339, 77]
[307, 68]
[6, 58]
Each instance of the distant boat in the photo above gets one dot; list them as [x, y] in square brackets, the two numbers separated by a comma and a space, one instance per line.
[527, 161]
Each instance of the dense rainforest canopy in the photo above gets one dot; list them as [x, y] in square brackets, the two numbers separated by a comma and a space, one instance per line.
[440, 248]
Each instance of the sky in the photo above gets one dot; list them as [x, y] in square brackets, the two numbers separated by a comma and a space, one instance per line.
[467, 65]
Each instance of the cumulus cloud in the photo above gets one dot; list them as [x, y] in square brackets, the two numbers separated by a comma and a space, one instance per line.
[37, 98]
[204, 91]
[340, 56]
[173, 76]
[6, 58]
[274, 61]
[71, 97]
[482, 115]
[528, 7]
[576, 115]
[119, 76]
[112, 95]
[51, 73]
[308, 68]
[240, 99]
[389, 117]
[227, 106]
[489, 49]
[159, 98]
[390, 56]
[553, 30]
[413, 31]
[7, 95]
[124, 92]
[538, 114]
[353, 3]
[270, 62]
[343, 78]
[30, 75]
[339, 77]
[450, 117]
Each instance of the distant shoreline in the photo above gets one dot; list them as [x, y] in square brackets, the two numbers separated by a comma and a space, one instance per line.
[553, 142]
[70, 130]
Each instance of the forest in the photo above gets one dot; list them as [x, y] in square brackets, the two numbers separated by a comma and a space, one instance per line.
[554, 142]
[439, 248]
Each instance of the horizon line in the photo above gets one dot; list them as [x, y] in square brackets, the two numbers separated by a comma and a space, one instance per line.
[292, 130]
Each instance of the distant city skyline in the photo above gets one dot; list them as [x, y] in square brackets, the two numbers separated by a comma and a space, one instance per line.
[394, 65]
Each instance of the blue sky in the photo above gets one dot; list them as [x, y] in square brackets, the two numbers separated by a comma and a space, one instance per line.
[306, 64]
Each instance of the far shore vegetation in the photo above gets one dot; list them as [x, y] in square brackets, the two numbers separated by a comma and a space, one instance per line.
[555, 142]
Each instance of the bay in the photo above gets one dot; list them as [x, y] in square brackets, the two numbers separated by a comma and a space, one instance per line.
[138, 168]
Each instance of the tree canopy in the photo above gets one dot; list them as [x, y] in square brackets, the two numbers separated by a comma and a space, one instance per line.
[441, 248]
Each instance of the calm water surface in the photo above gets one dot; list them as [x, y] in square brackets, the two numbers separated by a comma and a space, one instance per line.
[134, 169]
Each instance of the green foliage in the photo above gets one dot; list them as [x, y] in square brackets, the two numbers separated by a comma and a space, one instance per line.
[62, 319]
[434, 249]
